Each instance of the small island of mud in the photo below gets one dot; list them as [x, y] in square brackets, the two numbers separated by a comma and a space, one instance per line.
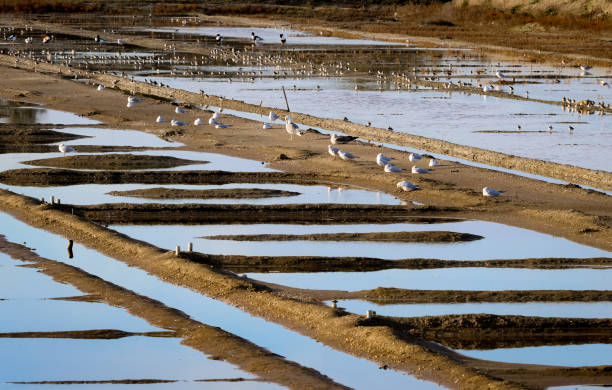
[426, 236]
[33, 134]
[218, 193]
[113, 162]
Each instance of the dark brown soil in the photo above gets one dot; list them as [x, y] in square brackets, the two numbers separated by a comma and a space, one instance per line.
[221, 193]
[106, 334]
[32, 134]
[427, 236]
[113, 162]
[325, 213]
[43, 148]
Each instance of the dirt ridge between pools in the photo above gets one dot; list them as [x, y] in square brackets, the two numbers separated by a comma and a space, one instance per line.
[101, 334]
[33, 134]
[210, 340]
[198, 213]
[375, 343]
[425, 236]
[113, 162]
[595, 178]
[218, 193]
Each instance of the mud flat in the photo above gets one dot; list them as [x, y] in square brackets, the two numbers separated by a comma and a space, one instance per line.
[428, 236]
[176, 193]
[113, 162]
[32, 134]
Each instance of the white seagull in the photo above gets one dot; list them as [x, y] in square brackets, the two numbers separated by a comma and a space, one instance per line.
[129, 104]
[333, 151]
[66, 149]
[197, 122]
[120, 42]
[266, 126]
[134, 99]
[346, 155]
[174, 122]
[491, 192]
[221, 126]
[216, 115]
[291, 127]
[100, 87]
[407, 186]
[212, 121]
[179, 110]
[159, 119]
[416, 169]
[433, 162]
[219, 38]
[414, 157]
[500, 75]
[272, 116]
[392, 168]
[382, 160]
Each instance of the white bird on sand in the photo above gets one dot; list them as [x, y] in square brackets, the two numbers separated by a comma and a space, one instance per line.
[382, 160]
[129, 104]
[346, 155]
[433, 163]
[179, 110]
[500, 75]
[585, 68]
[174, 122]
[159, 119]
[213, 121]
[66, 149]
[197, 122]
[392, 168]
[333, 151]
[134, 99]
[341, 139]
[272, 116]
[216, 115]
[491, 192]
[120, 42]
[416, 169]
[407, 186]
[291, 127]
[28, 40]
[221, 126]
[266, 126]
[414, 157]
[100, 87]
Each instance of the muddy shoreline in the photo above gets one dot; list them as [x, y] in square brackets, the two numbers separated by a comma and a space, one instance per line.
[428, 236]
[233, 193]
[111, 161]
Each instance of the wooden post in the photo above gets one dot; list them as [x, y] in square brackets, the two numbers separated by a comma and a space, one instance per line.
[52, 199]
[286, 102]
[177, 251]
[190, 247]
[59, 201]
[70, 249]
[370, 314]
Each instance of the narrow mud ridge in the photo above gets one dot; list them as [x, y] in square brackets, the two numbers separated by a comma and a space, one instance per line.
[32, 134]
[488, 331]
[110, 381]
[102, 334]
[45, 177]
[427, 236]
[221, 193]
[290, 264]
[42, 148]
[386, 295]
[113, 162]
[325, 213]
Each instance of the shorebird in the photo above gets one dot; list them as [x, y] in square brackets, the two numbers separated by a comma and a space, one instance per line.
[341, 139]
[120, 42]
[216, 115]
[197, 122]
[433, 163]
[28, 40]
[570, 127]
[383, 160]
[46, 39]
[550, 128]
[283, 40]
[585, 68]
[491, 192]
[97, 39]
[333, 151]
[346, 155]
[213, 121]
[518, 127]
[392, 168]
[407, 186]
[416, 169]
[66, 149]
[134, 99]
[272, 116]
[255, 38]
[414, 157]
[499, 75]
[179, 110]
[159, 119]
[266, 126]
[174, 122]
[100, 87]
[218, 38]
[130, 104]
[291, 127]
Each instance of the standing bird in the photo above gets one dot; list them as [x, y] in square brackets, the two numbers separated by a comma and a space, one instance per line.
[120, 42]
[198, 122]
[179, 110]
[291, 127]
[491, 192]
[333, 151]
[159, 119]
[341, 139]
[66, 149]
[100, 87]
[255, 38]
[219, 38]
[46, 39]
[499, 75]
[433, 162]
[550, 128]
[272, 116]
[346, 155]
[283, 39]
[97, 39]
[570, 128]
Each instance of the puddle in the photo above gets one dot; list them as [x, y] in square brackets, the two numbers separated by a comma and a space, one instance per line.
[540, 309]
[27, 315]
[563, 355]
[491, 279]
[133, 357]
[98, 193]
[34, 115]
[500, 242]
[343, 368]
